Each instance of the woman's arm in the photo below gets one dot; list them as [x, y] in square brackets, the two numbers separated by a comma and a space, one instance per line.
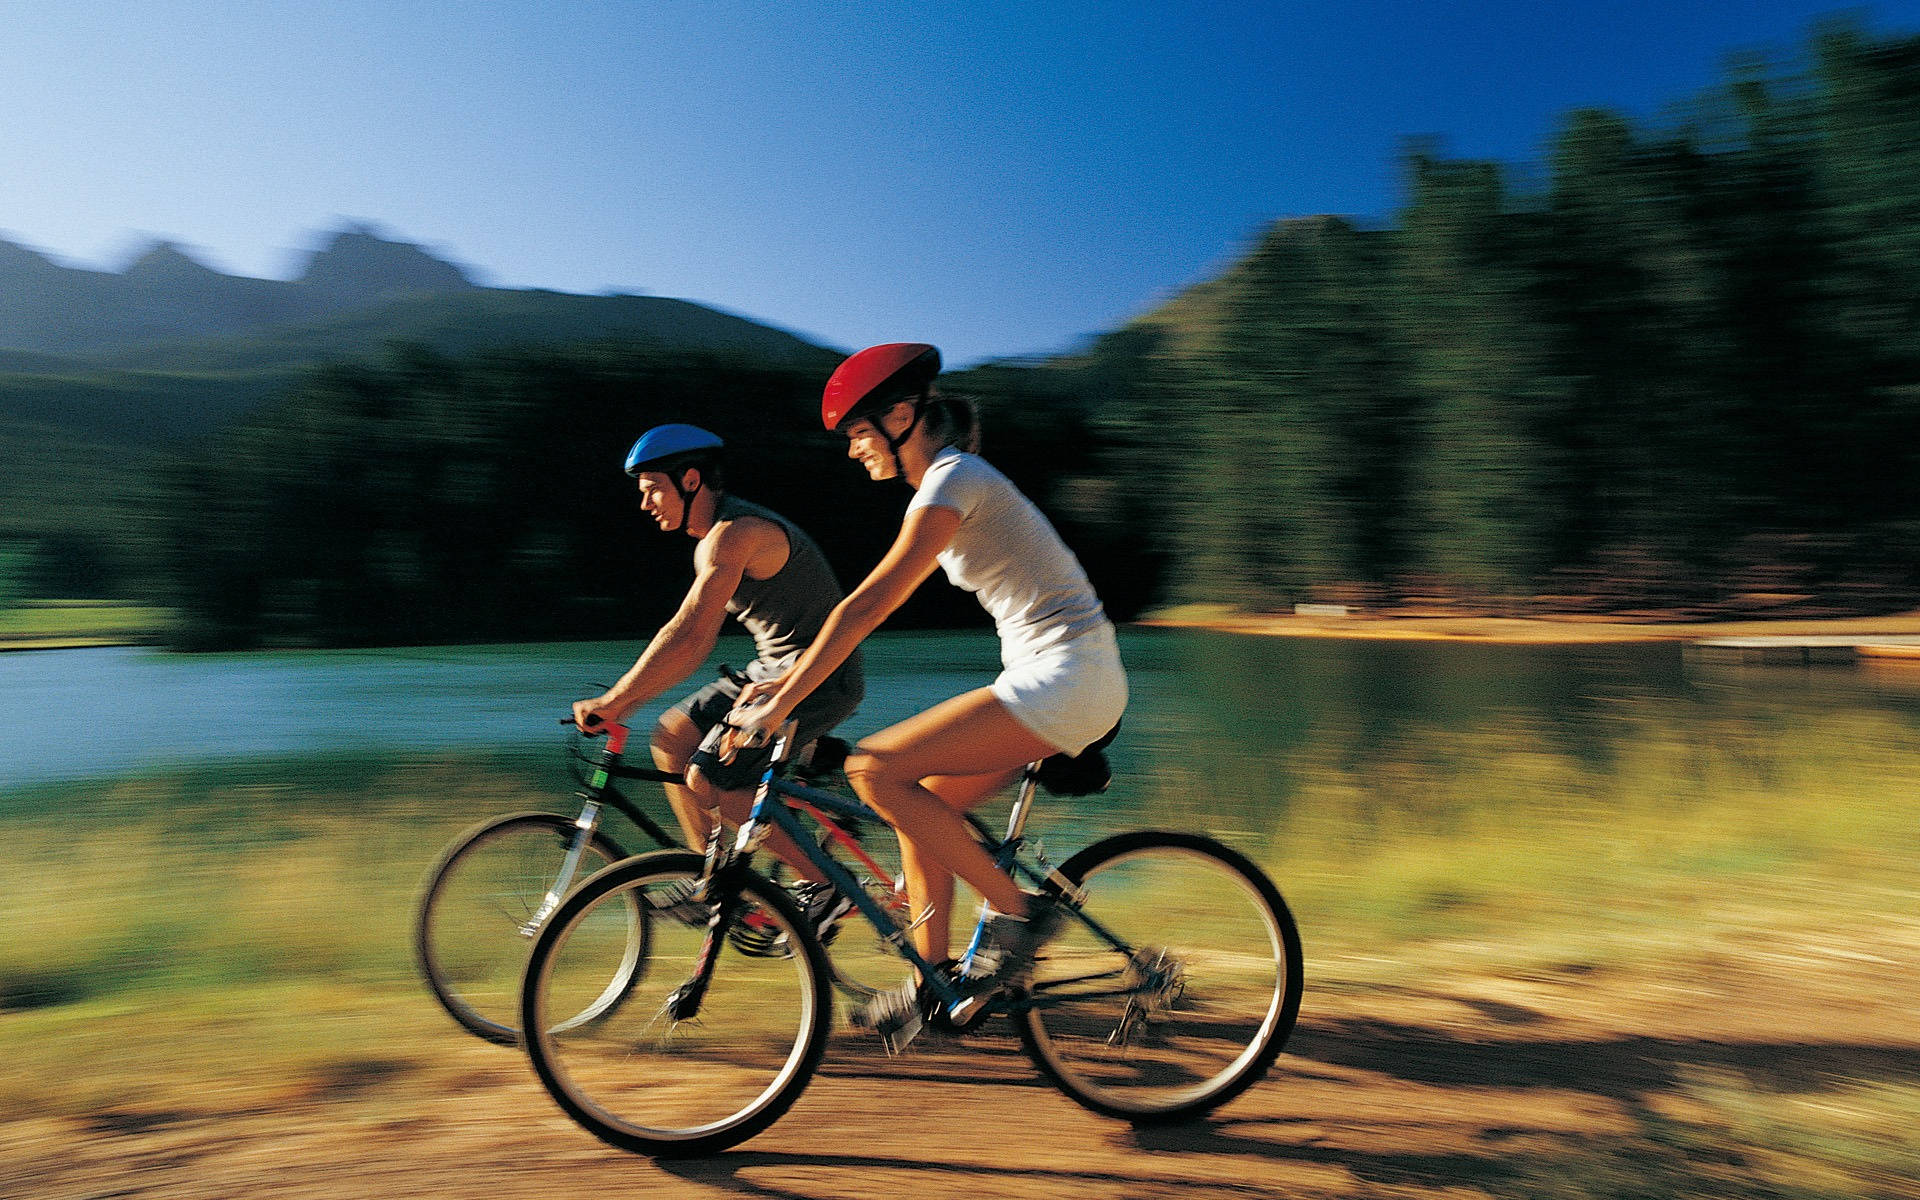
[908, 562]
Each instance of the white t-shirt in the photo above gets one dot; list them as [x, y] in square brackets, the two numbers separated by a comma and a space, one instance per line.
[1008, 554]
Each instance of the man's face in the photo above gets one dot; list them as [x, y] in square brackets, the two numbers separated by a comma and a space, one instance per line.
[660, 500]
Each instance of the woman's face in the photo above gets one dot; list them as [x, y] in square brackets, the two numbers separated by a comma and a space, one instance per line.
[867, 446]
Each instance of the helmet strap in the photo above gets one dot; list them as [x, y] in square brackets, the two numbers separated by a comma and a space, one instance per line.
[686, 496]
[894, 443]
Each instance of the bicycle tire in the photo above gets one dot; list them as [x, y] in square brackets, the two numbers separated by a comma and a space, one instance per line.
[1200, 1008]
[652, 1084]
[469, 931]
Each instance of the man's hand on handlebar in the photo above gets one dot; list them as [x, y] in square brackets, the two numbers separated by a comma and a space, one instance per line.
[593, 716]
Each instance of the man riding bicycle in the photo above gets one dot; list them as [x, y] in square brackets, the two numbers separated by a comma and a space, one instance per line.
[764, 571]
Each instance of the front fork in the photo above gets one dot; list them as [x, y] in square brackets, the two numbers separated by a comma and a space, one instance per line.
[584, 827]
[721, 882]
[583, 830]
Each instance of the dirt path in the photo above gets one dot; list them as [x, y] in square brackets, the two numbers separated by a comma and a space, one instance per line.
[1473, 1086]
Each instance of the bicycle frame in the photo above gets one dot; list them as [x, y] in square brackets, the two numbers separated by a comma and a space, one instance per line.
[598, 790]
[774, 807]
[1181, 1015]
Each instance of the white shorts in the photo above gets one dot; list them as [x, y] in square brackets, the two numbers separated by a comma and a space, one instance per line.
[1069, 694]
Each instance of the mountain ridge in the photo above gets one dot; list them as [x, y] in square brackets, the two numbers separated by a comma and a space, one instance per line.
[170, 347]
[165, 292]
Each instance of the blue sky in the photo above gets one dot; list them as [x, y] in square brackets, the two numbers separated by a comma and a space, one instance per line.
[999, 178]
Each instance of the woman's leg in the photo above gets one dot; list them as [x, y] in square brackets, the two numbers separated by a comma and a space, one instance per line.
[966, 748]
[930, 881]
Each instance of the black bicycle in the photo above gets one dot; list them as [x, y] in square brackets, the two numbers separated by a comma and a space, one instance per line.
[495, 885]
[1172, 989]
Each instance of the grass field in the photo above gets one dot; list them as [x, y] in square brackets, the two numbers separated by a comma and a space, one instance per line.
[240, 938]
[78, 623]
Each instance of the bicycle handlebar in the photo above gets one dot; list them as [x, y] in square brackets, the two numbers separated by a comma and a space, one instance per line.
[753, 741]
[593, 730]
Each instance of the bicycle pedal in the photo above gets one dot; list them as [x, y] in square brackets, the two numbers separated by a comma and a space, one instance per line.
[972, 1011]
[684, 1003]
[894, 1041]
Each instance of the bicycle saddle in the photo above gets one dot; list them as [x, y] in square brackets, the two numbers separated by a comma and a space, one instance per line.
[1080, 774]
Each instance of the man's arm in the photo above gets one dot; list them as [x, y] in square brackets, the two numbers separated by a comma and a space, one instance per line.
[684, 642]
[907, 564]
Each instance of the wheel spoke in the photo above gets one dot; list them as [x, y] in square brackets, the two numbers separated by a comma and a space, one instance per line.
[1192, 1016]
[478, 916]
[638, 1076]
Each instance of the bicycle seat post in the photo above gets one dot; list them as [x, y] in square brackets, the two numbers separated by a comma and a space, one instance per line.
[1023, 802]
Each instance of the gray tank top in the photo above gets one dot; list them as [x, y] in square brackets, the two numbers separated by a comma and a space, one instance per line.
[784, 612]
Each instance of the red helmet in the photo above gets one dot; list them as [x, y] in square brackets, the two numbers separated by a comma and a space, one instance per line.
[876, 377]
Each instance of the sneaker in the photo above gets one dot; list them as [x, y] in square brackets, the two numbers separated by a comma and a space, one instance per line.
[897, 1014]
[679, 901]
[1004, 957]
[824, 906]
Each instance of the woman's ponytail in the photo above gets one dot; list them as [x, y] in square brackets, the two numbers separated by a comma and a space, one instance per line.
[953, 421]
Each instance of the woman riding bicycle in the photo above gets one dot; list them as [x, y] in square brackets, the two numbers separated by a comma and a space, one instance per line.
[1062, 686]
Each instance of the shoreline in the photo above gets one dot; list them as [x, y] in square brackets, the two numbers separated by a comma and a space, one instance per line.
[1569, 629]
[77, 642]
[1560, 630]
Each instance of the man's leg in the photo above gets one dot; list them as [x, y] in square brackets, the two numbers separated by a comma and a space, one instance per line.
[674, 741]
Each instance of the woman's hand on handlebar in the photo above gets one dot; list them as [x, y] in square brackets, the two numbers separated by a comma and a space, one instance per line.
[752, 694]
[755, 718]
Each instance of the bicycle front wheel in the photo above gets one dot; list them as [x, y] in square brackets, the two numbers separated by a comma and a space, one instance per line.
[484, 901]
[1182, 997]
[654, 1077]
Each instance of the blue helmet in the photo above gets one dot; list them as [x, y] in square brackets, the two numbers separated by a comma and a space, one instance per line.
[659, 446]
[670, 448]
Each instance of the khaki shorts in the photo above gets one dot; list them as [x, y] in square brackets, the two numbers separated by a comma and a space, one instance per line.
[832, 703]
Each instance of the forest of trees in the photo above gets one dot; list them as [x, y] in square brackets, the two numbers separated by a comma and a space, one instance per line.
[432, 499]
[1679, 369]
[429, 499]
[1675, 369]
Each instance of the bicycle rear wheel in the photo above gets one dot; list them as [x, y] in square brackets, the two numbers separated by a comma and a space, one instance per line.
[642, 1078]
[1194, 1004]
[479, 913]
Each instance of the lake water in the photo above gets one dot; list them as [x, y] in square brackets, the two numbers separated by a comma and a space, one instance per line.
[1223, 731]
[69, 714]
